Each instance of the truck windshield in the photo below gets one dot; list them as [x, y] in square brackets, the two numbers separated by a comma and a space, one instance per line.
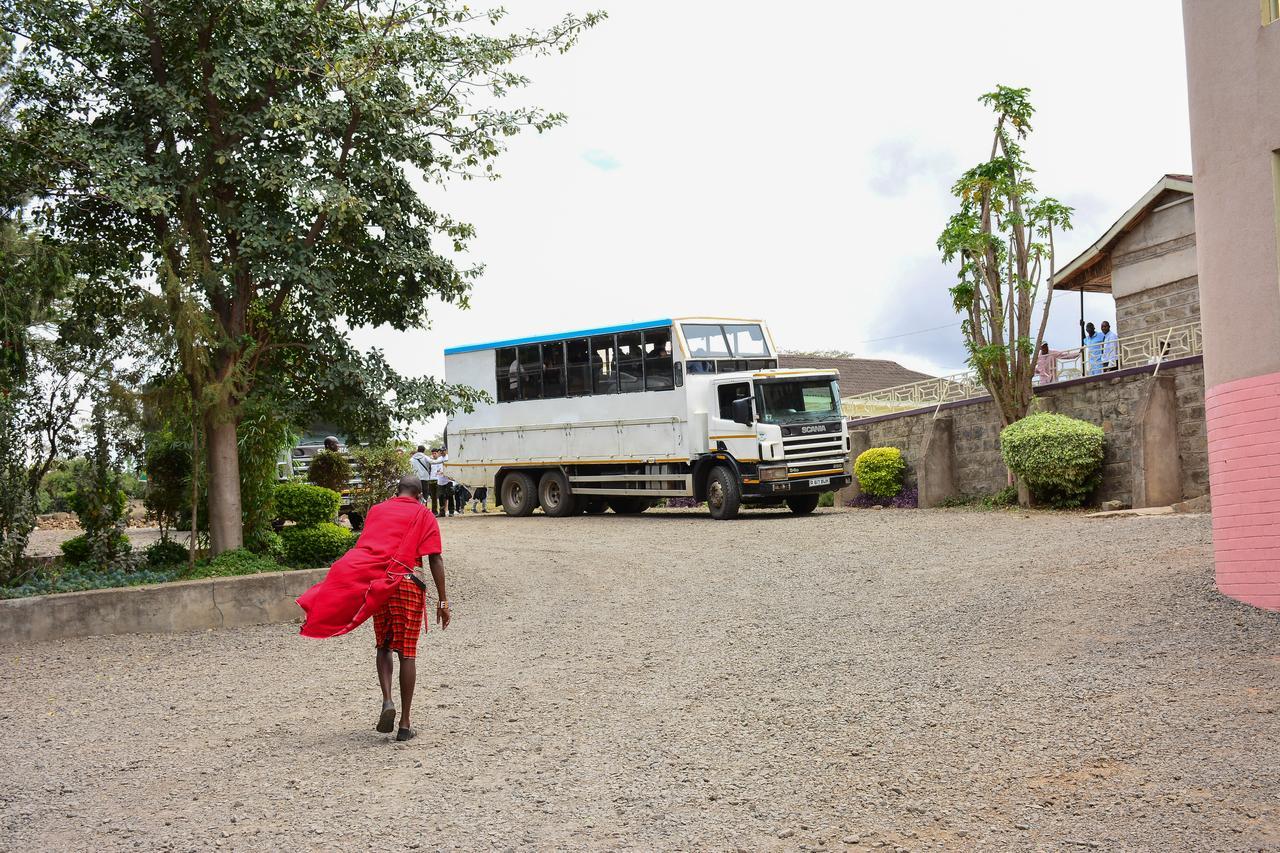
[794, 401]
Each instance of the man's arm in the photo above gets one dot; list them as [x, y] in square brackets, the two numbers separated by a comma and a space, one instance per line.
[443, 616]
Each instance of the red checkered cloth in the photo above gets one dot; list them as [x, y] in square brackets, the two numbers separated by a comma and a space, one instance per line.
[400, 622]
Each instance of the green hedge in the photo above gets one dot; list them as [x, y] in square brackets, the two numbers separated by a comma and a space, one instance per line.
[1060, 458]
[880, 471]
[306, 504]
[237, 562]
[315, 545]
[330, 470]
[164, 553]
[77, 549]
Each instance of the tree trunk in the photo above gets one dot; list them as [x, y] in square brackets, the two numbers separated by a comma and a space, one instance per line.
[226, 526]
[1024, 493]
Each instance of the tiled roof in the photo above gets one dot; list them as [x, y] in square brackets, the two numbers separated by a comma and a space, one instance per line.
[857, 375]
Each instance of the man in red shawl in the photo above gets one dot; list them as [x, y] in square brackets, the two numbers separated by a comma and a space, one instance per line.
[377, 578]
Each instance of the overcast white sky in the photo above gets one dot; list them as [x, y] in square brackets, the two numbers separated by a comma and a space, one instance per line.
[794, 164]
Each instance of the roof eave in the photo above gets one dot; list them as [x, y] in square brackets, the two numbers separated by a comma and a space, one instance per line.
[1062, 279]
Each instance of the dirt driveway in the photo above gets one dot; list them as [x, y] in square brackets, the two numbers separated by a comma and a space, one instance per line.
[897, 679]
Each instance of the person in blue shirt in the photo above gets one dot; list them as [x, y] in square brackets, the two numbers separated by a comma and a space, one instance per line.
[1110, 349]
[1092, 349]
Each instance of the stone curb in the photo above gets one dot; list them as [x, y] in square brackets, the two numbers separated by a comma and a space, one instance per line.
[167, 608]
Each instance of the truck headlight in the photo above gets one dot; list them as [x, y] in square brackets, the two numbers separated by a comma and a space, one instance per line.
[773, 472]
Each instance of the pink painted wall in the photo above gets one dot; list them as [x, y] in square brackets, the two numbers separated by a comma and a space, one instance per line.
[1233, 86]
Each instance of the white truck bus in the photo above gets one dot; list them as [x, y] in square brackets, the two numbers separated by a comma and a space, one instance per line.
[617, 417]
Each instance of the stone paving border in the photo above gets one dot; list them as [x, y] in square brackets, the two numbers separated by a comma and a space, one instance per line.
[160, 608]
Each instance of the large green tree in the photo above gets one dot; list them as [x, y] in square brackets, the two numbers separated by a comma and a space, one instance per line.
[262, 166]
[1002, 236]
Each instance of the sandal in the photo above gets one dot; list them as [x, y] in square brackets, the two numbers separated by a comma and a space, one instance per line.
[386, 720]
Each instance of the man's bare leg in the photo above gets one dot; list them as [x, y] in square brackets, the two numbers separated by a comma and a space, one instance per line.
[408, 679]
[388, 715]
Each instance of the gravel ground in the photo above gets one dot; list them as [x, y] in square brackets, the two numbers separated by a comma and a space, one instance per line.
[895, 679]
[44, 543]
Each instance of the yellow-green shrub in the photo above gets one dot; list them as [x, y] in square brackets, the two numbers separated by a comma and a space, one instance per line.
[880, 471]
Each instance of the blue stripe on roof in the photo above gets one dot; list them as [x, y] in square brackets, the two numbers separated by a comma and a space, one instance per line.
[537, 339]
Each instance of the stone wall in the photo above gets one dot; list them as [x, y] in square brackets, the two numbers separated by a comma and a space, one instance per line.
[1111, 401]
[1159, 308]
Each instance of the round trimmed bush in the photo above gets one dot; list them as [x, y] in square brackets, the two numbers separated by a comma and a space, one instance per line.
[314, 545]
[329, 469]
[166, 552]
[77, 549]
[1060, 458]
[306, 504]
[266, 543]
[880, 471]
[237, 562]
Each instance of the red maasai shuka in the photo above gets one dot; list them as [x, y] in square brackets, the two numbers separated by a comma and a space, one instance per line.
[397, 534]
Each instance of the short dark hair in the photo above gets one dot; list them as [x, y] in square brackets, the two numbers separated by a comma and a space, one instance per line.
[409, 484]
[437, 450]
[421, 449]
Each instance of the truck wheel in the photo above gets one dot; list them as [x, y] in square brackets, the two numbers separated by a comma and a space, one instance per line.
[628, 506]
[554, 496]
[593, 506]
[519, 496]
[724, 494]
[803, 504]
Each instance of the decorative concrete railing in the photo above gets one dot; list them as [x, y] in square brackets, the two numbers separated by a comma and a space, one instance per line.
[1131, 351]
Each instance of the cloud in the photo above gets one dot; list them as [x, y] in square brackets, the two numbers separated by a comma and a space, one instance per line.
[602, 160]
[896, 163]
[918, 323]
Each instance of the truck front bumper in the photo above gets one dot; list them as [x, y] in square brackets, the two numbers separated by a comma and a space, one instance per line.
[797, 486]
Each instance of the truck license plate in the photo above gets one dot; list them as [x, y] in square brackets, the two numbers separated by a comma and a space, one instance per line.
[820, 481]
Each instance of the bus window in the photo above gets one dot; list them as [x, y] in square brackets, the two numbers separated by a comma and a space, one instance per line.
[705, 341]
[530, 372]
[630, 363]
[604, 367]
[747, 340]
[579, 357]
[508, 375]
[553, 369]
[658, 374]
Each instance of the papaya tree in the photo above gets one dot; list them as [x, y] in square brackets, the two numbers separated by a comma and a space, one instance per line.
[1002, 237]
[265, 167]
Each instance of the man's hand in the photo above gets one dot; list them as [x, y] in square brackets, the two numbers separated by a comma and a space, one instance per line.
[443, 616]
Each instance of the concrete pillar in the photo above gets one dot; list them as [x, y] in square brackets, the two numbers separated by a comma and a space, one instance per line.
[1233, 63]
[936, 473]
[1156, 465]
[859, 440]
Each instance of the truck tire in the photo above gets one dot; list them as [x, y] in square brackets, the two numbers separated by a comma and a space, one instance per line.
[803, 504]
[554, 496]
[593, 506]
[628, 506]
[724, 494]
[519, 495]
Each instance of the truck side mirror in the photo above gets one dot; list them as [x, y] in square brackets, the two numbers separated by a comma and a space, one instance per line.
[742, 411]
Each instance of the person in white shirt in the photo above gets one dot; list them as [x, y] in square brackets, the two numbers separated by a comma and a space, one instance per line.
[439, 485]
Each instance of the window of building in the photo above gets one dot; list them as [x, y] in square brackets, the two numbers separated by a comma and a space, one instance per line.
[727, 393]
[658, 370]
[630, 362]
[1270, 11]
[578, 352]
[604, 365]
[530, 372]
[553, 373]
[508, 367]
